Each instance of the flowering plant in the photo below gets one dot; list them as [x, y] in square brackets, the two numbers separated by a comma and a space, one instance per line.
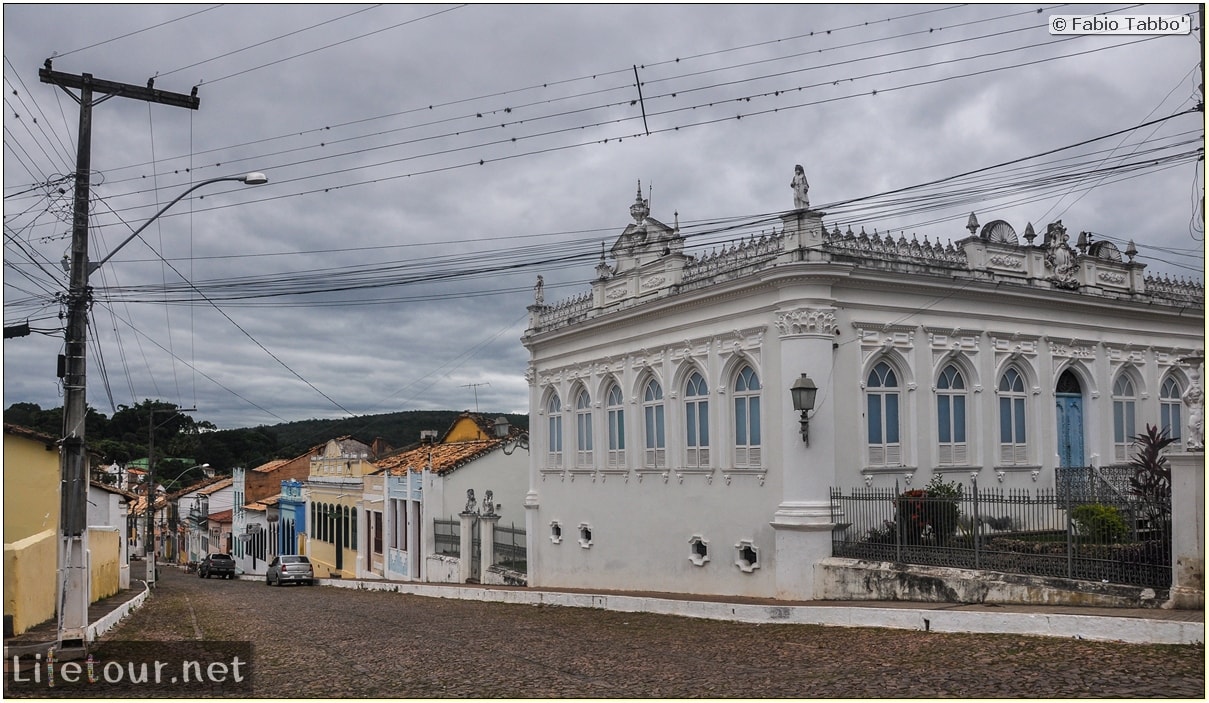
[929, 514]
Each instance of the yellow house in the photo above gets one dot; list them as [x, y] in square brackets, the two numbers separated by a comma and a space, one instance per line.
[31, 527]
[334, 495]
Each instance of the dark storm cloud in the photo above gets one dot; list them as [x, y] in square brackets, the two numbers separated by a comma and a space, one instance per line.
[368, 124]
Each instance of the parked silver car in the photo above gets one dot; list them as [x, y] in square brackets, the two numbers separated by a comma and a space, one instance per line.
[290, 568]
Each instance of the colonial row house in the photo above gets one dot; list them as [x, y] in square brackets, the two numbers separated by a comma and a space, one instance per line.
[190, 513]
[334, 493]
[255, 521]
[32, 510]
[472, 479]
[669, 455]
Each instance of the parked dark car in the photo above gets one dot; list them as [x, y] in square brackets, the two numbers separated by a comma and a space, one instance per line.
[290, 568]
[221, 565]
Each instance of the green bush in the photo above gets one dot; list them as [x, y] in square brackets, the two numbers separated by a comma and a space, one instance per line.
[929, 514]
[1100, 523]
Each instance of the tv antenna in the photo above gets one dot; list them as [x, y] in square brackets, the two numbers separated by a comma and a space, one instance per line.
[475, 386]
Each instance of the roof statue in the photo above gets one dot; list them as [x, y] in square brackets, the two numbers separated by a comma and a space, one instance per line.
[801, 188]
[539, 292]
[1059, 256]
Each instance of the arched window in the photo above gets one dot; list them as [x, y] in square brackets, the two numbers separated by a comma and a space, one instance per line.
[951, 417]
[696, 422]
[655, 453]
[1170, 405]
[583, 429]
[1013, 446]
[351, 541]
[1124, 401]
[881, 404]
[554, 415]
[616, 417]
[747, 419]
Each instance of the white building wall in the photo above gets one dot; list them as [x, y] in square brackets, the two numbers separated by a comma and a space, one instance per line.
[834, 321]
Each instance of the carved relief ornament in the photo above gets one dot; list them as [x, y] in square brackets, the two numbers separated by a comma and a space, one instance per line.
[803, 321]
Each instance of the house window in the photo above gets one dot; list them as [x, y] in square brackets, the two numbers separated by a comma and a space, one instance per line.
[616, 418]
[747, 419]
[696, 421]
[951, 417]
[881, 403]
[1012, 443]
[655, 454]
[583, 429]
[1124, 400]
[554, 412]
[1170, 404]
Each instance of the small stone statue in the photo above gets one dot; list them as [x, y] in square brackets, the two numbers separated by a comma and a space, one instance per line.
[801, 188]
[470, 501]
[539, 294]
[1194, 399]
[1059, 256]
[488, 504]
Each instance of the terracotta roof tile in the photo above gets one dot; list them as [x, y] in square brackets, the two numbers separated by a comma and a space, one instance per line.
[445, 457]
[222, 516]
[271, 465]
[216, 487]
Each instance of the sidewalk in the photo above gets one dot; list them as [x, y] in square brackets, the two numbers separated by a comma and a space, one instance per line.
[102, 615]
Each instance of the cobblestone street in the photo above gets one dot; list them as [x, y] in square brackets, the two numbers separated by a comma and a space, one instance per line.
[327, 642]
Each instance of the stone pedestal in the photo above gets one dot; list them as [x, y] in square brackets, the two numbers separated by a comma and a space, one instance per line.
[1187, 531]
[487, 543]
[465, 568]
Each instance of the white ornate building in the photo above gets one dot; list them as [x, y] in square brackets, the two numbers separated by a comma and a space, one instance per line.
[666, 453]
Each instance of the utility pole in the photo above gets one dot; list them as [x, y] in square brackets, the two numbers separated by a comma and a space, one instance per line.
[74, 582]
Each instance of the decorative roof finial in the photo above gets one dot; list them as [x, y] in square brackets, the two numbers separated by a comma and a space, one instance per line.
[640, 209]
[1131, 251]
[1029, 234]
[972, 224]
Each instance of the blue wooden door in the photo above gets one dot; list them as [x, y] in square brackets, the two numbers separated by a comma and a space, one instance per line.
[1070, 429]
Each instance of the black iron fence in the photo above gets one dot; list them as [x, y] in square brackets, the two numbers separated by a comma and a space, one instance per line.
[1085, 528]
[510, 547]
[448, 536]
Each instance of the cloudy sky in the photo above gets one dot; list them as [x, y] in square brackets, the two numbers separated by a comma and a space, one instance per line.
[427, 162]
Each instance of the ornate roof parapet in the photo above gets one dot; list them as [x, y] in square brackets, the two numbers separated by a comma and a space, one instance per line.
[735, 259]
[564, 312]
[649, 263]
[1177, 289]
[875, 246]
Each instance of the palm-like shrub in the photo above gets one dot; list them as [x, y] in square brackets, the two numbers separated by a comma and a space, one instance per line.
[1151, 480]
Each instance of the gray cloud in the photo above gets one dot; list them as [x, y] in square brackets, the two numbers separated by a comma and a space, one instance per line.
[369, 145]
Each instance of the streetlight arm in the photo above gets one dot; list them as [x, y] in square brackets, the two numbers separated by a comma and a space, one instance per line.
[250, 178]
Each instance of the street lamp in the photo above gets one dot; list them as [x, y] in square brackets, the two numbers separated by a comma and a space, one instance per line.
[74, 585]
[802, 393]
[253, 179]
[502, 431]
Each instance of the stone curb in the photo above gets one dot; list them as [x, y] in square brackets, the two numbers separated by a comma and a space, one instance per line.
[1087, 627]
